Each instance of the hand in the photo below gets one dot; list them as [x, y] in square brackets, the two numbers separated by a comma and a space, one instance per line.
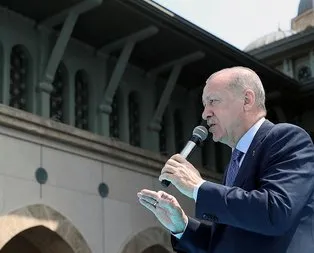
[166, 209]
[181, 174]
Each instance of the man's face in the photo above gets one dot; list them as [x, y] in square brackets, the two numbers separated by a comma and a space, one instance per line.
[223, 110]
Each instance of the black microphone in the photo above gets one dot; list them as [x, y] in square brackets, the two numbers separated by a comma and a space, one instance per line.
[199, 134]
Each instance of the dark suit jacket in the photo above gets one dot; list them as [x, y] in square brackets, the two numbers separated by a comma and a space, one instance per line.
[269, 209]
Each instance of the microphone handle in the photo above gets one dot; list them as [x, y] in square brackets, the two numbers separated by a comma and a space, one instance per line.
[186, 151]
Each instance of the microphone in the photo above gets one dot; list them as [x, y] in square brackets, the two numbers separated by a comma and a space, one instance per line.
[199, 134]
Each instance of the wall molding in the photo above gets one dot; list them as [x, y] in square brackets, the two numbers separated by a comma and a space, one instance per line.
[29, 127]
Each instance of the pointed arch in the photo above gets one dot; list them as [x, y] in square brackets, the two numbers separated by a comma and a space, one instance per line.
[148, 238]
[39, 215]
[21, 65]
[37, 239]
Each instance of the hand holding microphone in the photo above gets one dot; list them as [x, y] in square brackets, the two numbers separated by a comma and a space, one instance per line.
[178, 170]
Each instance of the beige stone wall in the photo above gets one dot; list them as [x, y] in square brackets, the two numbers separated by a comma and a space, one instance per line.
[303, 21]
[17, 221]
[69, 203]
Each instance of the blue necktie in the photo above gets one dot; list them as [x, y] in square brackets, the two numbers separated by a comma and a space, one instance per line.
[233, 167]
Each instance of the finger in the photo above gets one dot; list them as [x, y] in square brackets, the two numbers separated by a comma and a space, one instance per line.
[165, 196]
[151, 199]
[147, 199]
[178, 158]
[168, 169]
[173, 163]
[148, 205]
[148, 193]
[167, 201]
[166, 176]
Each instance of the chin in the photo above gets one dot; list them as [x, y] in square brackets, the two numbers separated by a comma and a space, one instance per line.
[215, 139]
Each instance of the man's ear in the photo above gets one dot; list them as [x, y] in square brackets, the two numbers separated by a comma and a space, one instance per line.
[249, 99]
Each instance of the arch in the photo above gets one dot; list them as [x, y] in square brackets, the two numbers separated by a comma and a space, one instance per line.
[134, 119]
[37, 240]
[304, 73]
[39, 215]
[20, 77]
[58, 95]
[146, 239]
[81, 99]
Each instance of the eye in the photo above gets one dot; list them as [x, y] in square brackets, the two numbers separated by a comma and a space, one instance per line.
[210, 102]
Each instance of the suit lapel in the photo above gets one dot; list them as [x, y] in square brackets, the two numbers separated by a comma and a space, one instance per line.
[250, 155]
[217, 229]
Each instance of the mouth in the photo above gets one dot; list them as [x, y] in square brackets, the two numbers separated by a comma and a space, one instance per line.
[210, 126]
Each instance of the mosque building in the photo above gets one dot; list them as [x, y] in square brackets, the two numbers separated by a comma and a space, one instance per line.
[96, 95]
[291, 52]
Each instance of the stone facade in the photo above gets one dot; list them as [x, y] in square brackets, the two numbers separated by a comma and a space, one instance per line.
[69, 203]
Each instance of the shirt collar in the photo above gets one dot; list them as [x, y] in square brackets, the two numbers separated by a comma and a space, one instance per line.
[246, 140]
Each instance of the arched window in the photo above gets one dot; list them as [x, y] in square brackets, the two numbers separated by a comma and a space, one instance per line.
[19, 77]
[57, 95]
[81, 100]
[178, 128]
[134, 120]
[114, 117]
[304, 73]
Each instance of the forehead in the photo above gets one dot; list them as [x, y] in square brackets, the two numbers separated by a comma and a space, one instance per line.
[216, 85]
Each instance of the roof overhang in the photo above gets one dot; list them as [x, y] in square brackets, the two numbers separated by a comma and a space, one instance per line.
[175, 38]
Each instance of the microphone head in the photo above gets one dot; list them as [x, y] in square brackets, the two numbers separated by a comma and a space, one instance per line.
[201, 132]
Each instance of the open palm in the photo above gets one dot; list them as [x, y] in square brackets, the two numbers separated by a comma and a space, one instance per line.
[167, 211]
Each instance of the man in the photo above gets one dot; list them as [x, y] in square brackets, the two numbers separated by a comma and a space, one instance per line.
[266, 202]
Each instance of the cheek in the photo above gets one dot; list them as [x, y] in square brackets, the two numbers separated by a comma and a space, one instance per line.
[225, 122]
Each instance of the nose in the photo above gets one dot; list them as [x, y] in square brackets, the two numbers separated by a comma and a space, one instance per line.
[207, 113]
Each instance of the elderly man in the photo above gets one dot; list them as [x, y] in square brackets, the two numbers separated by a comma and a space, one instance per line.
[266, 201]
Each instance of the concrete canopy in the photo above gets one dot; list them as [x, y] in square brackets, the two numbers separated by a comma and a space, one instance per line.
[175, 38]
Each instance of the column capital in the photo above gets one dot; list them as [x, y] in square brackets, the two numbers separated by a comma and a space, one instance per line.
[105, 108]
[155, 126]
[45, 86]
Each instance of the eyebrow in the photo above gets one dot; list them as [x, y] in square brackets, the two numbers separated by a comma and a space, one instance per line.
[209, 97]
